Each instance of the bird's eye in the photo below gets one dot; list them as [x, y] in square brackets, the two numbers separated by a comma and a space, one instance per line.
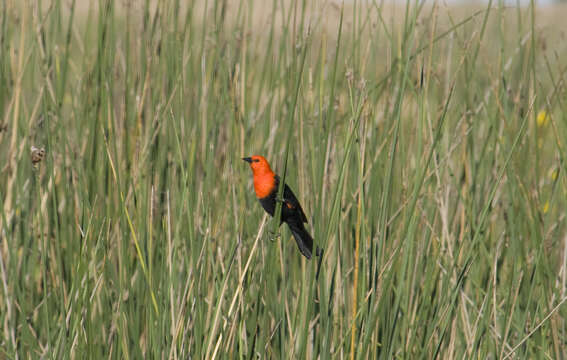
[256, 160]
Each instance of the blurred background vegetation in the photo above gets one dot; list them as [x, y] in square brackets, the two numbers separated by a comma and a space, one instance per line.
[426, 142]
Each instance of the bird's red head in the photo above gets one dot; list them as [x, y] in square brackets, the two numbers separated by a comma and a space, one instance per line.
[259, 165]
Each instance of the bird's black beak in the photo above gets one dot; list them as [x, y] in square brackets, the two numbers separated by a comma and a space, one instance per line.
[247, 159]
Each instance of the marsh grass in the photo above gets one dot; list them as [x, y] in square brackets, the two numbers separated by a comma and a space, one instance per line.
[409, 134]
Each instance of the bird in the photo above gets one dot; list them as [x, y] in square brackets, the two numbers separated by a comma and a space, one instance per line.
[266, 185]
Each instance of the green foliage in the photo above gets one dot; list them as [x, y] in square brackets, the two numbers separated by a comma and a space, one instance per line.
[428, 140]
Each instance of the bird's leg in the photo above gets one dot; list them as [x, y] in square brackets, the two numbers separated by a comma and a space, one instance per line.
[280, 199]
[273, 236]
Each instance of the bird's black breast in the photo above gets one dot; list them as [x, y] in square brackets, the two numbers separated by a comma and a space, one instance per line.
[269, 203]
[291, 209]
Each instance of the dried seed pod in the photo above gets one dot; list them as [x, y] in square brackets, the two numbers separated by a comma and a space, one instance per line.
[37, 155]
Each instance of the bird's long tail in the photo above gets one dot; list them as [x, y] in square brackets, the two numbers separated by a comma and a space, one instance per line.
[302, 237]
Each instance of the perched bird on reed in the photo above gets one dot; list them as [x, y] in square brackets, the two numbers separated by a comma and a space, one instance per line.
[266, 184]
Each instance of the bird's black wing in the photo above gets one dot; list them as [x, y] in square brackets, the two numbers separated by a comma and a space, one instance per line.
[291, 204]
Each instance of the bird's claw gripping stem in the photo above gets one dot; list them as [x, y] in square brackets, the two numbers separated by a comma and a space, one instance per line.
[279, 199]
[273, 236]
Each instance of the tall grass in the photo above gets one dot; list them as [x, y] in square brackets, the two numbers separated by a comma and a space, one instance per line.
[425, 142]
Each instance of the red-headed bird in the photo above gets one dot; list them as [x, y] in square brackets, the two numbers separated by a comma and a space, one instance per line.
[266, 184]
